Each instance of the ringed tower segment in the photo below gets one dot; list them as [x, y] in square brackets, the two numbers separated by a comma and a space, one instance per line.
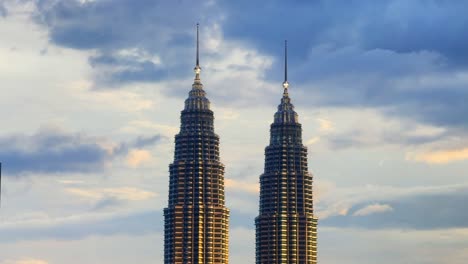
[286, 228]
[196, 221]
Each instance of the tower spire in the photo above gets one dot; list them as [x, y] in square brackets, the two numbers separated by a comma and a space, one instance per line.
[285, 83]
[197, 68]
[198, 58]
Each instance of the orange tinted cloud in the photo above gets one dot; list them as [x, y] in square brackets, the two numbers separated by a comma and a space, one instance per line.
[373, 209]
[439, 157]
[124, 193]
[243, 186]
[25, 261]
[137, 156]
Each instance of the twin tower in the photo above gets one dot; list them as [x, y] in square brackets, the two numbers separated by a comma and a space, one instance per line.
[196, 220]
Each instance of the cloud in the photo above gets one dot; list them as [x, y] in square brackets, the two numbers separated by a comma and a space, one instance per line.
[241, 186]
[53, 150]
[440, 156]
[442, 246]
[108, 22]
[242, 200]
[149, 48]
[378, 129]
[25, 261]
[312, 141]
[122, 193]
[128, 101]
[226, 113]
[325, 125]
[141, 141]
[131, 39]
[3, 10]
[137, 156]
[136, 126]
[241, 251]
[408, 28]
[331, 200]
[353, 60]
[71, 182]
[419, 208]
[80, 226]
[373, 209]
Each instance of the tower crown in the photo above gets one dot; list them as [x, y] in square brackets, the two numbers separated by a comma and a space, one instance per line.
[197, 96]
[286, 113]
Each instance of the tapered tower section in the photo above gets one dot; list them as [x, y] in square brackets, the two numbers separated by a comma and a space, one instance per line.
[196, 221]
[286, 229]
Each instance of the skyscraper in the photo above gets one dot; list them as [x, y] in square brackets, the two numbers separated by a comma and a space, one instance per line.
[286, 229]
[196, 221]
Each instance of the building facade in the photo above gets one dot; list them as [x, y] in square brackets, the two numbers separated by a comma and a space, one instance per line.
[196, 221]
[286, 228]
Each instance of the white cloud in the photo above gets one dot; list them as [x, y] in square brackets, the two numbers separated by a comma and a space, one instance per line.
[123, 100]
[439, 156]
[71, 182]
[325, 125]
[443, 246]
[241, 186]
[373, 209]
[226, 113]
[123, 193]
[144, 126]
[237, 69]
[97, 249]
[348, 130]
[139, 55]
[334, 200]
[25, 261]
[312, 141]
[136, 157]
[242, 245]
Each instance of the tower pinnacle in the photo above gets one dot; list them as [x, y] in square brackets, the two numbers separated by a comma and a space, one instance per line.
[198, 58]
[285, 83]
[197, 82]
[197, 68]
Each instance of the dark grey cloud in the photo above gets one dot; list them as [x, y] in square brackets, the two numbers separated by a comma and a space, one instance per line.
[106, 203]
[413, 26]
[365, 53]
[120, 24]
[75, 228]
[376, 54]
[54, 151]
[141, 141]
[400, 26]
[162, 28]
[437, 210]
[124, 70]
[3, 10]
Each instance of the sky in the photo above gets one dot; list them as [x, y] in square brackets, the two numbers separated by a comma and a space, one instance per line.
[92, 92]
